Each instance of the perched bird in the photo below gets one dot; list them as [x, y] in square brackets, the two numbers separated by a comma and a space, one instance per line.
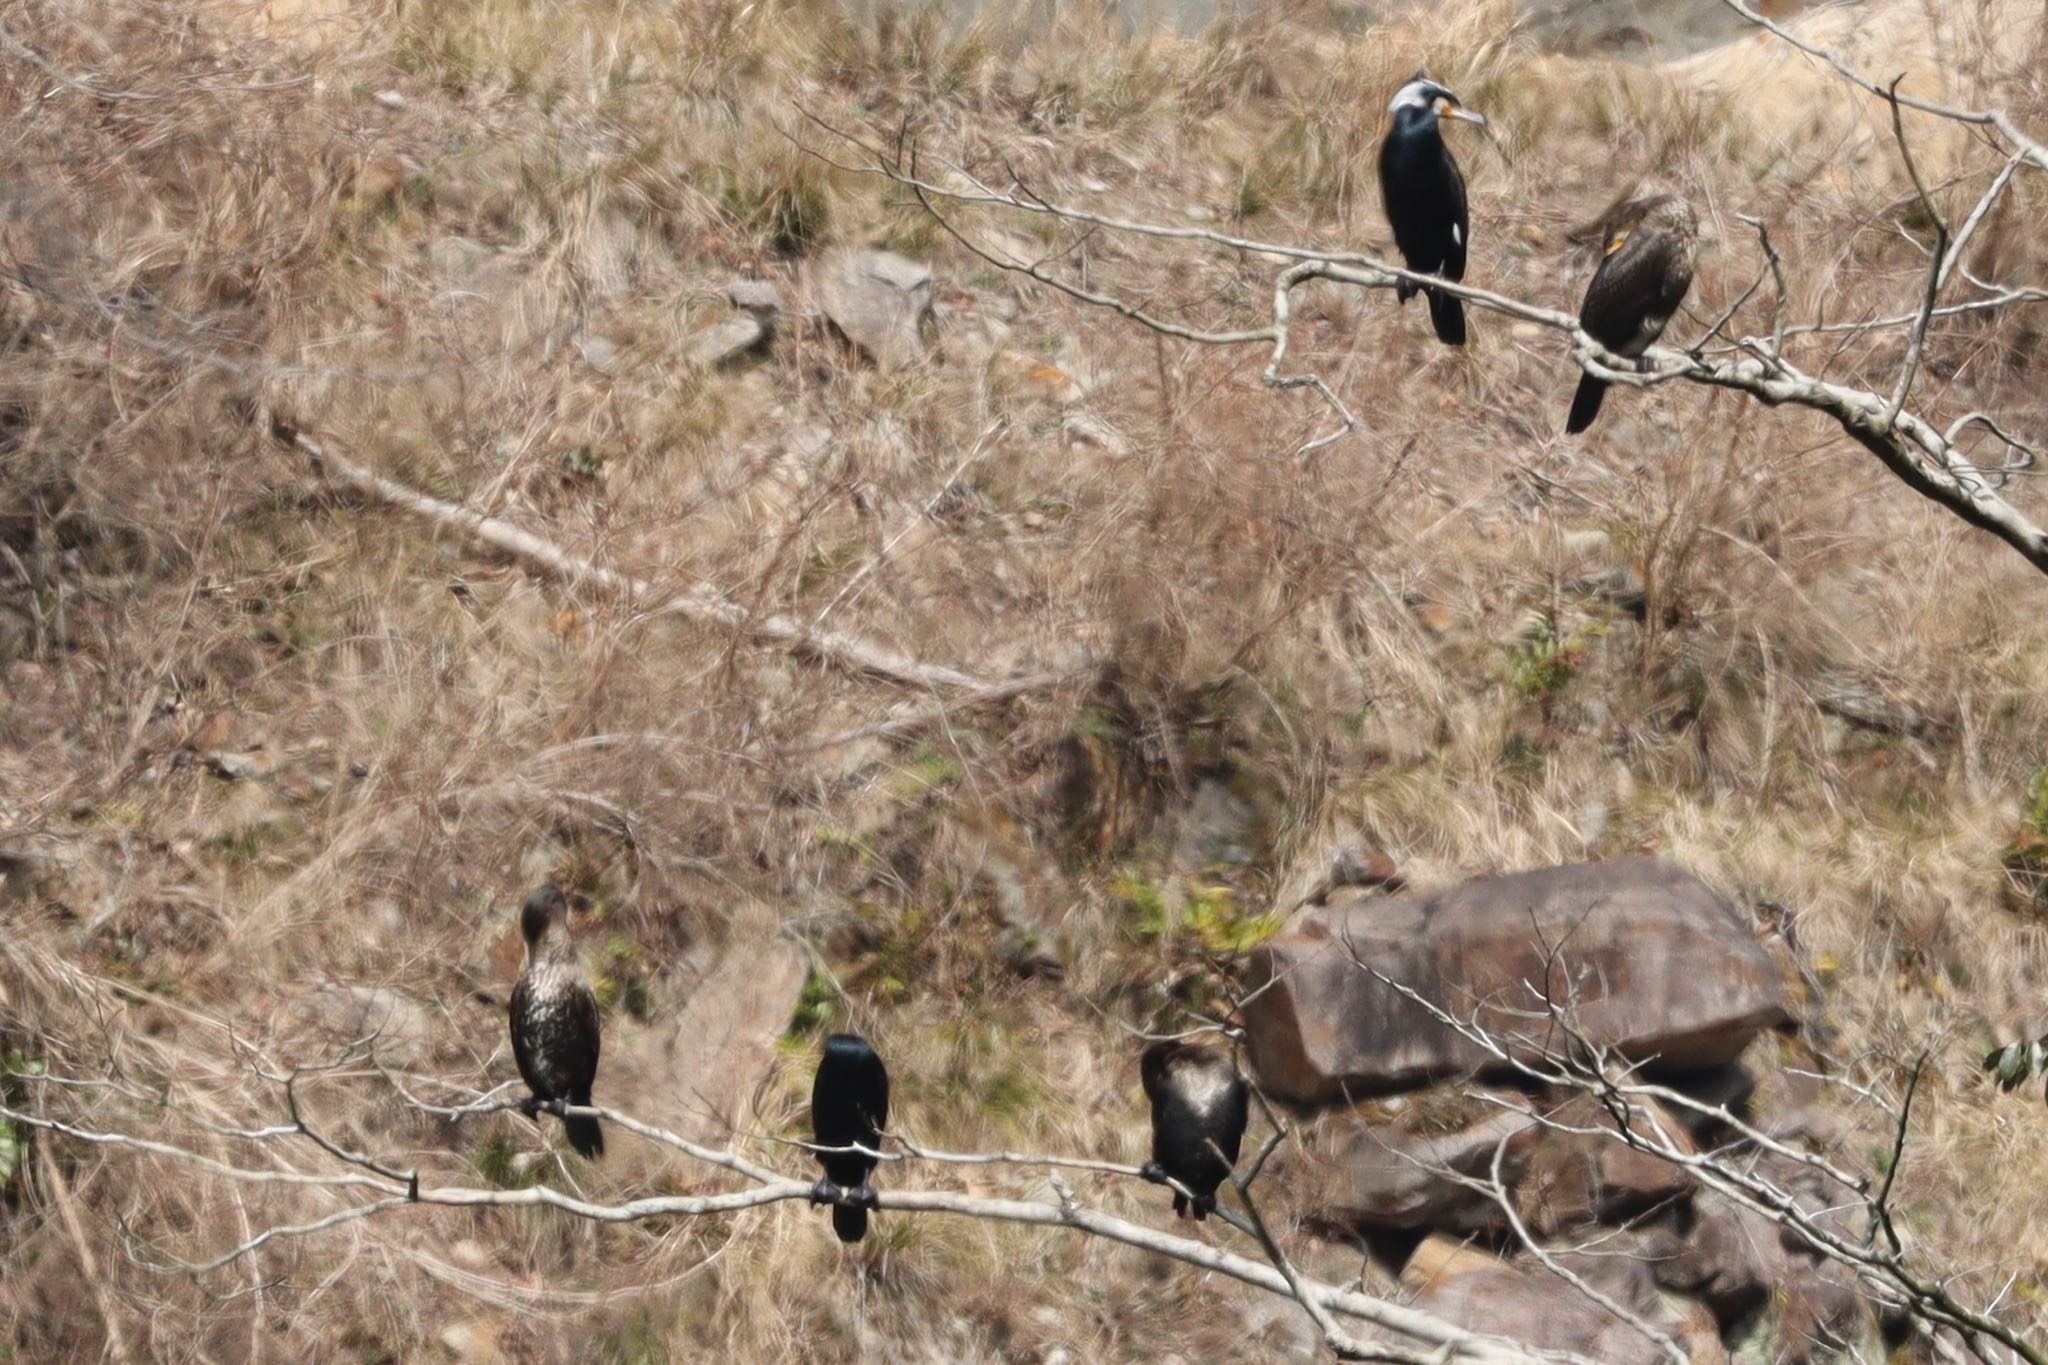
[1199, 1107]
[554, 1018]
[1646, 262]
[1424, 193]
[849, 1106]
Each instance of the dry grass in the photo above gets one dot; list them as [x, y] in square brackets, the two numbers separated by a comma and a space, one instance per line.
[482, 288]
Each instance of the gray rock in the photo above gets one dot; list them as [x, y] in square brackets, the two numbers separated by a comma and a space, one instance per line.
[724, 340]
[879, 301]
[1642, 956]
[759, 297]
[400, 1025]
[598, 353]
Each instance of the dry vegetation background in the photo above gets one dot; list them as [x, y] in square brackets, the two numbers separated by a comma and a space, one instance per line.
[465, 242]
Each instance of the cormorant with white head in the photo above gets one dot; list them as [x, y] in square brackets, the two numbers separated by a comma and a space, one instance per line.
[1424, 194]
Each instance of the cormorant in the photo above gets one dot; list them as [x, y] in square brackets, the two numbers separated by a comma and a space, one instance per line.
[849, 1106]
[1646, 262]
[1199, 1107]
[554, 1018]
[1424, 193]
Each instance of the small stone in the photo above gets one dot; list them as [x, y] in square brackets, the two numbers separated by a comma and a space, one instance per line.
[1082, 428]
[1525, 331]
[754, 296]
[235, 767]
[724, 341]
[1034, 378]
[879, 301]
[390, 99]
[598, 353]
[1197, 214]
[470, 1254]
[1434, 618]
[473, 1343]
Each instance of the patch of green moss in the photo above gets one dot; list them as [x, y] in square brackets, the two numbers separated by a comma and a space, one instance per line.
[1141, 904]
[814, 1008]
[1223, 925]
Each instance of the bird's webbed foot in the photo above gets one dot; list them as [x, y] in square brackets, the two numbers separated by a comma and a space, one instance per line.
[1153, 1172]
[530, 1106]
[864, 1196]
[825, 1192]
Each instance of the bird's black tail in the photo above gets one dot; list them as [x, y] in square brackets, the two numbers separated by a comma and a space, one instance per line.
[1449, 316]
[1585, 404]
[850, 1221]
[584, 1134]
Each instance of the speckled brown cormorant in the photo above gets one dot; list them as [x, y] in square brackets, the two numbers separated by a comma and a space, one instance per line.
[849, 1108]
[1424, 194]
[1199, 1107]
[554, 1018]
[1646, 264]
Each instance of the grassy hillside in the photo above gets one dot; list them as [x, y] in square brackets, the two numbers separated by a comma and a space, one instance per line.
[277, 763]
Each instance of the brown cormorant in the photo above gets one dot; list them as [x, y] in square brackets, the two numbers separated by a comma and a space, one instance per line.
[1199, 1107]
[1424, 194]
[1646, 262]
[849, 1107]
[554, 1019]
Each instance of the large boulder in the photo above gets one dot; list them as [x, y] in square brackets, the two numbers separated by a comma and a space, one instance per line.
[1635, 953]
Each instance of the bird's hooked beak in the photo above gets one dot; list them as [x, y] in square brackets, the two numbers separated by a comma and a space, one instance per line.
[1446, 107]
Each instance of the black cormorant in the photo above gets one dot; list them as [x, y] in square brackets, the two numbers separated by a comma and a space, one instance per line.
[1424, 193]
[554, 1018]
[1199, 1107]
[849, 1107]
[1646, 262]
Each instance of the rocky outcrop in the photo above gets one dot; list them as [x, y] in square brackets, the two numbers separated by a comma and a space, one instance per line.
[1408, 1170]
[1535, 1309]
[1638, 955]
[1763, 1282]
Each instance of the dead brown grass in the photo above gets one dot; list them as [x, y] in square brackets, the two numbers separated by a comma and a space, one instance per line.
[481, 286]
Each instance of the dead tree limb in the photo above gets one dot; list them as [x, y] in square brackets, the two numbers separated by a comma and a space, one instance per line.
[703, 604]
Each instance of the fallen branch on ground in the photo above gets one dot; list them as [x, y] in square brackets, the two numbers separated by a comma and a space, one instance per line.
[703, 604]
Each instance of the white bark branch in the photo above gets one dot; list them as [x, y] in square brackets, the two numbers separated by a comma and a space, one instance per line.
[1441, 1343]
[703, 603]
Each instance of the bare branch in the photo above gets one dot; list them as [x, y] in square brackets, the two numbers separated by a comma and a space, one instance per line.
[703, 603]
[1444, 1342]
